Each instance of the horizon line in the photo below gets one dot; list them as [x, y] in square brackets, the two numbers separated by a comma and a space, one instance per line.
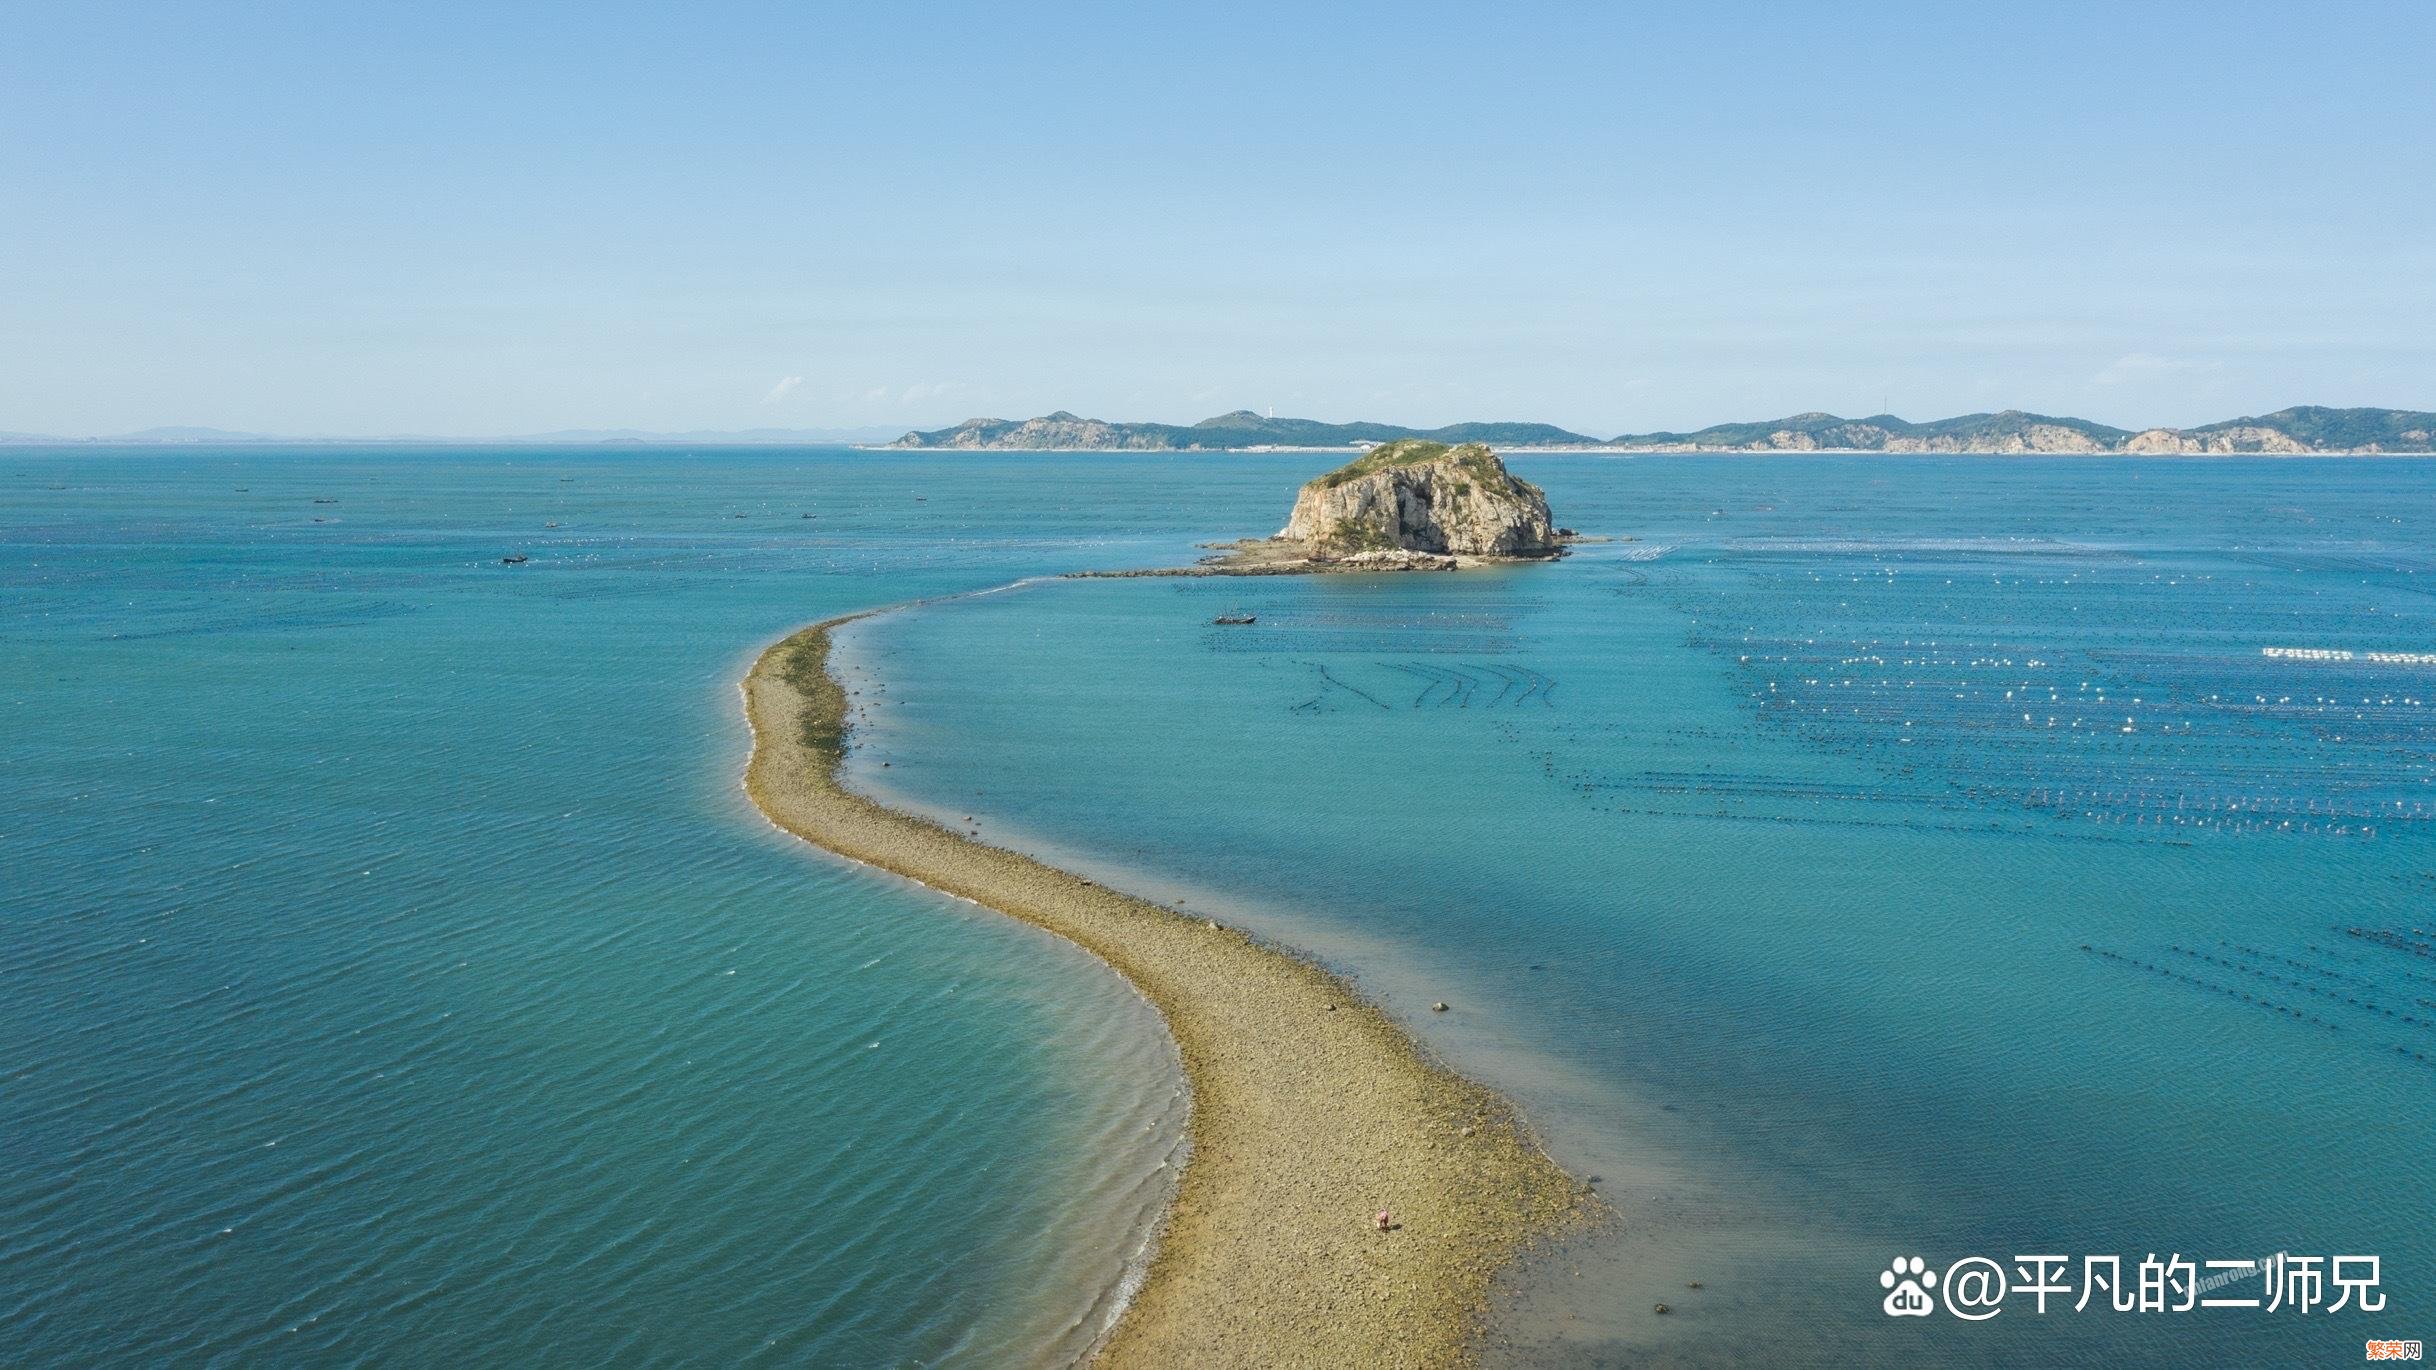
[862, 434]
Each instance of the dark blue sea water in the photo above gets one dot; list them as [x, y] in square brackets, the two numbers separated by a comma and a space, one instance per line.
[1870, 857]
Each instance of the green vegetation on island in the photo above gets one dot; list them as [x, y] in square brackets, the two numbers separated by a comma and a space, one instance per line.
[2342, 430]
[1474, 460]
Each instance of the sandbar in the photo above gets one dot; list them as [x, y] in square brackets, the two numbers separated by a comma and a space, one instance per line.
[1311, 1110]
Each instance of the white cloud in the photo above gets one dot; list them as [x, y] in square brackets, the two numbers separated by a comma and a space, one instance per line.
[2140, 366]
[787, 385]
[915, 395]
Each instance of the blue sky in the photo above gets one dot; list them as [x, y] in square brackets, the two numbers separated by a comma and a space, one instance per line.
[441, 218]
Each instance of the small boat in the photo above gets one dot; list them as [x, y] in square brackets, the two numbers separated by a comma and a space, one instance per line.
[1235, 620]
[517, 560]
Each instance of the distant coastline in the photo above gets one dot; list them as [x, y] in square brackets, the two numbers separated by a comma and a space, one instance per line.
[2302, 430]
[1311, 1109]
[2298, 431]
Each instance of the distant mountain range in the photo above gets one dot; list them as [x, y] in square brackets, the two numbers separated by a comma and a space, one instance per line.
[1243, 428]
[2305, 429]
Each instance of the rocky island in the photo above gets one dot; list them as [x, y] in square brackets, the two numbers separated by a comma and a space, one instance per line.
[1408, 505]
[1423, 499]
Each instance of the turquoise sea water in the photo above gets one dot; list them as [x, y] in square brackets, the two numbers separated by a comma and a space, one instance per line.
[1874, 858]
[391, 971]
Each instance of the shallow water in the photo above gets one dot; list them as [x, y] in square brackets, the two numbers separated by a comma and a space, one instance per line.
[1874, 857]
[391, 970]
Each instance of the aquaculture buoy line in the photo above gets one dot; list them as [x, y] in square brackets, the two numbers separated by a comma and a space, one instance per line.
[2405, 973]
[1766, 797]
[1462, 686]
[2306, 967]
[2342, 983]
[2212, 987]
[2367, 1006]
[2394, 941]
[1329, 681]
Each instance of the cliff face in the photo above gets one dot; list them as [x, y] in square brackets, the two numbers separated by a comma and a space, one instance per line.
[2227, 439]
[1424, 497]
[2034, 437]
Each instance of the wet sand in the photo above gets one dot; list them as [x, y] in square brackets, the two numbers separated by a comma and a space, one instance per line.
[1311, 1110]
